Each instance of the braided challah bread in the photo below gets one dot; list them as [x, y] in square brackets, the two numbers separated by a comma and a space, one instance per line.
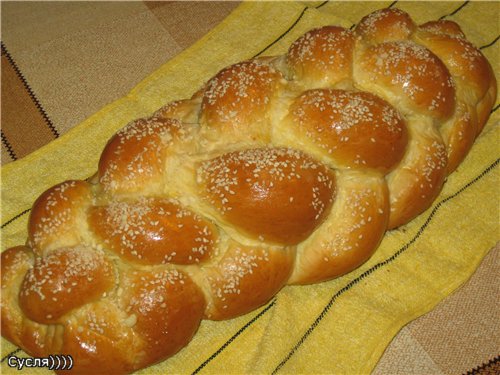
[280, 170]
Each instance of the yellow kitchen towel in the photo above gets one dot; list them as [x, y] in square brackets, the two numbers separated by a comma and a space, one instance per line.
[341, 326]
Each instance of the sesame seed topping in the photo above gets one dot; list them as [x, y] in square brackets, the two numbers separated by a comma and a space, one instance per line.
[78, 264]
[154, 230]
[392, 63]
[138, 150]
[238, 91]
[270, 168]
[152, 293]
[322, 49]
[240, 264]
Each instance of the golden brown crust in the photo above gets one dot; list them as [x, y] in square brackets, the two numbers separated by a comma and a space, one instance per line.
[246, 278]
[385, 25]
[463, 60]
[153, 231]
[62, 281]
[15, 262]
[134, 156]
[412, 74]
[459, 134]
[417, 183]
[279, 170]
[473, 74]
[345, 241]
[445, 27]
[238, 98]
[475, 85]
[322, 57]
[275, 195]
[64, 204]
[165, 308]
[356, 129]
[97, 343]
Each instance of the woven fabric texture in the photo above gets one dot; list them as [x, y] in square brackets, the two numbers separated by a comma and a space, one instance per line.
[60, 82]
